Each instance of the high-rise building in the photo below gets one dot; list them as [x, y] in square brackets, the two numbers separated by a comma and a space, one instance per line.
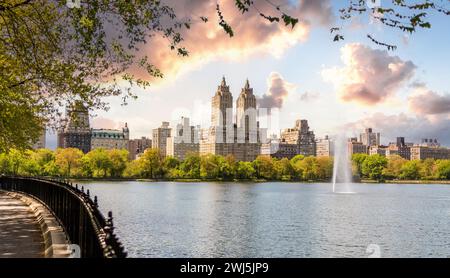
[137, 147]
[324, 147]
[301, 136]
[355, 147]
[241, 139]
[246, 114]
[76, 132]
[400, 147]
[184, 140]
[110, 138]
[160, 135]
[369, 138]
[222, 112]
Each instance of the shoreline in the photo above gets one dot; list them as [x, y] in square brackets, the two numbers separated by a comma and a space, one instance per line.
[258, 181]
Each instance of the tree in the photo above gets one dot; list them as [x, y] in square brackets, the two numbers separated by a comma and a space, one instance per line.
[398, 14]
[152, 163]
[428, 169]
[373, 167]
[99, 161]
[119, 160]
[190, 167]
[245, 170]
[410, 170]
[209, 167]
[324, 168]
[283, 169]
[16, 160]
[357, 163]
[263, 166]
[443, 169]
[5, 165]
[68, 160]
[394, 166]
[308, 167]
[134, 169]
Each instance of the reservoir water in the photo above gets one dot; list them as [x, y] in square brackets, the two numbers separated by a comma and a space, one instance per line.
[171, 219]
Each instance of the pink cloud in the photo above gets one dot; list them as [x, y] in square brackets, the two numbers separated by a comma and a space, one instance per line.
[369, 76]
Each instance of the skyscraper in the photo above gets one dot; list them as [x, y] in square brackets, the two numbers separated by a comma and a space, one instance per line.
[246, 115]
[222, 111]
[160, 136]
[369, 138]
[240, 139]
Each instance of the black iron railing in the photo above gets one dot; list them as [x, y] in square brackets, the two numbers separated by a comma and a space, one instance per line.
[79, 215]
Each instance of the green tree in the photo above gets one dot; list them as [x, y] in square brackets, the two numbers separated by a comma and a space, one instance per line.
[68, 160]
[410, 170]
[5, 165]
[428, 169]
[16, 160]
[394, 166]
[190, 166]
[263, 166]
[308, 167]
[283, 169]
[210, 167]
[134, 169]
[245, 170]
[443, 169]
[324, 168]
[119, 160]
[152, 163]
[99, 161]
[357, 163]
[373, 167]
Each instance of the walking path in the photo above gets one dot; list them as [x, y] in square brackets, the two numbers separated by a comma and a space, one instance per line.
[20, 234]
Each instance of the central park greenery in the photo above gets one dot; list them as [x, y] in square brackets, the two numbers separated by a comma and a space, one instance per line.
[101, 163]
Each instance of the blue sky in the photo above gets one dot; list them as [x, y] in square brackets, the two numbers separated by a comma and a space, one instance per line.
[301, 63]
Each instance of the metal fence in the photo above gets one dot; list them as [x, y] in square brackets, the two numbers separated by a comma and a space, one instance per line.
[79, 215]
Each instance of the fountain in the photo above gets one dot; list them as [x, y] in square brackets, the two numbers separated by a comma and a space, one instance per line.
[341, 165]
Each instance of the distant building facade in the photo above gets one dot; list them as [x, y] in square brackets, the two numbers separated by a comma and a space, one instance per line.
[77, 132]
[355, 147]
[184, 140]
[110, 138]
[369, 138]
[324, 147]
[420, 152]
[400, 148]
[137, 147]
[160, 135]
[301, 136]
[378, 149]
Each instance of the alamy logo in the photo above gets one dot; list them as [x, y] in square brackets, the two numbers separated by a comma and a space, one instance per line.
[73, 4]
[374, 251]
[75, 251]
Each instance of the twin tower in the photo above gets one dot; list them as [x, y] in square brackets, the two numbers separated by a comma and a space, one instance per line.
[246, 124]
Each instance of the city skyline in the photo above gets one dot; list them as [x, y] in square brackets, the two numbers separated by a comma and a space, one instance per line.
[102, 123]
[350, 84]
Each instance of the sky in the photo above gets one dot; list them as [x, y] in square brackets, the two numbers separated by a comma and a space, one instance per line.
[339, 87]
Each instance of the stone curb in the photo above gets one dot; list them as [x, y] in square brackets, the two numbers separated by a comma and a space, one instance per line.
[56, 242]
